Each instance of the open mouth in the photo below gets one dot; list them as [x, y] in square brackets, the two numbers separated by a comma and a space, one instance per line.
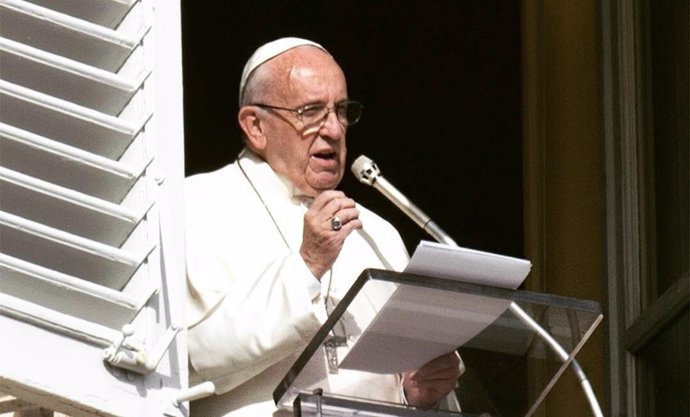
[328, 156]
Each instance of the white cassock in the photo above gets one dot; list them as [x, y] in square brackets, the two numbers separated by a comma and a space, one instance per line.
[253, 305]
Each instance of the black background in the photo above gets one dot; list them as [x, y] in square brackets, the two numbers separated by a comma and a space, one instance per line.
[440, 82]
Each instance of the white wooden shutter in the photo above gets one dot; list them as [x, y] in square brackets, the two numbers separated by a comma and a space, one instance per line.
[91, 172]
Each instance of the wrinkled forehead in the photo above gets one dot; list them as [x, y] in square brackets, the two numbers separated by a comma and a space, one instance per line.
[305, 65]
[300, 75]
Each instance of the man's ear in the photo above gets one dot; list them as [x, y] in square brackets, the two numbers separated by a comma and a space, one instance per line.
[250, 122]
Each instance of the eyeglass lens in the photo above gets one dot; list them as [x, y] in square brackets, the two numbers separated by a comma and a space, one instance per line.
[347, 113]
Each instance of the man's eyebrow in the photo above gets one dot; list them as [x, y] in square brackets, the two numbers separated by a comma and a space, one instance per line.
[314, 103]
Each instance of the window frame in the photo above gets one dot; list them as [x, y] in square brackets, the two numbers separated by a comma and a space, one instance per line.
[634, 318]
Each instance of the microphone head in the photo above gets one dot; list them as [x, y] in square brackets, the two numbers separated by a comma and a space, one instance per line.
[365, 170]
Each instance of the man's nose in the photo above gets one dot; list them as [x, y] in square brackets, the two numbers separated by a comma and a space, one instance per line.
[331, 126]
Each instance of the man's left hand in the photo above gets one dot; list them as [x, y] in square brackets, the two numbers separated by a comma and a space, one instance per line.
[425, 387]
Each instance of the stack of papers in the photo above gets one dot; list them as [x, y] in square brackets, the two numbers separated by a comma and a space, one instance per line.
[417, 324]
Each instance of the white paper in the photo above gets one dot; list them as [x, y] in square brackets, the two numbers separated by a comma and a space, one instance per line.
[468, 265]
[418, 324]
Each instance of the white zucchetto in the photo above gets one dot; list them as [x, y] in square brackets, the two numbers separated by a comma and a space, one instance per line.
[269, 51]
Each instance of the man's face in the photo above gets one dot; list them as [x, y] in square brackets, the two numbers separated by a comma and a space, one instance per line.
[312, 157]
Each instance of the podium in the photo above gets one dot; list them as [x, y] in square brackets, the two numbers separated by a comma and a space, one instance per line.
[514, 344]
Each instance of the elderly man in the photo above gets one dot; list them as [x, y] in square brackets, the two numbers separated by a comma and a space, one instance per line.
[272, 245]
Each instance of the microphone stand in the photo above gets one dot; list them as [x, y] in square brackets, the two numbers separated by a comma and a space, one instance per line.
[412, 211]
[368, 173]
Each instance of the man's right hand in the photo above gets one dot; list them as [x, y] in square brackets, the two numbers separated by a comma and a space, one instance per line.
[321, 244]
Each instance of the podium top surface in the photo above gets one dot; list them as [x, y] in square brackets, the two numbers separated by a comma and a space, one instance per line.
[514, 344]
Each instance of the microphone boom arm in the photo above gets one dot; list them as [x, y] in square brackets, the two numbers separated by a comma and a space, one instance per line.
[368, 173]
[422, 220]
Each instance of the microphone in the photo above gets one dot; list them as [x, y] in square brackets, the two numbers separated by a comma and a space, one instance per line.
[368, 173]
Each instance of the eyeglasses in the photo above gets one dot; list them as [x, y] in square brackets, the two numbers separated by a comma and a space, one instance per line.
[347, 112]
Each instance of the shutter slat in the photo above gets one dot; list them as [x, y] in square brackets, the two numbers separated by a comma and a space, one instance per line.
[65, 209]
[66, 79]
[68, 253]
[66, 165]
[108, 13]
[48, 318]
[67, 122]
[67, 36]
[67, 294]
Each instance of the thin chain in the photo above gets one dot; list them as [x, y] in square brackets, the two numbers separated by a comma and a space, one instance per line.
[263, 202]
[328, 291]
[330, 271]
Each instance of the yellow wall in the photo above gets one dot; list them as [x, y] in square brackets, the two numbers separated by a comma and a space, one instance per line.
[563, 176]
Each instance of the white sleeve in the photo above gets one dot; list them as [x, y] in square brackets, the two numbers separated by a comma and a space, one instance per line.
[251, 302]
[255, 324]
